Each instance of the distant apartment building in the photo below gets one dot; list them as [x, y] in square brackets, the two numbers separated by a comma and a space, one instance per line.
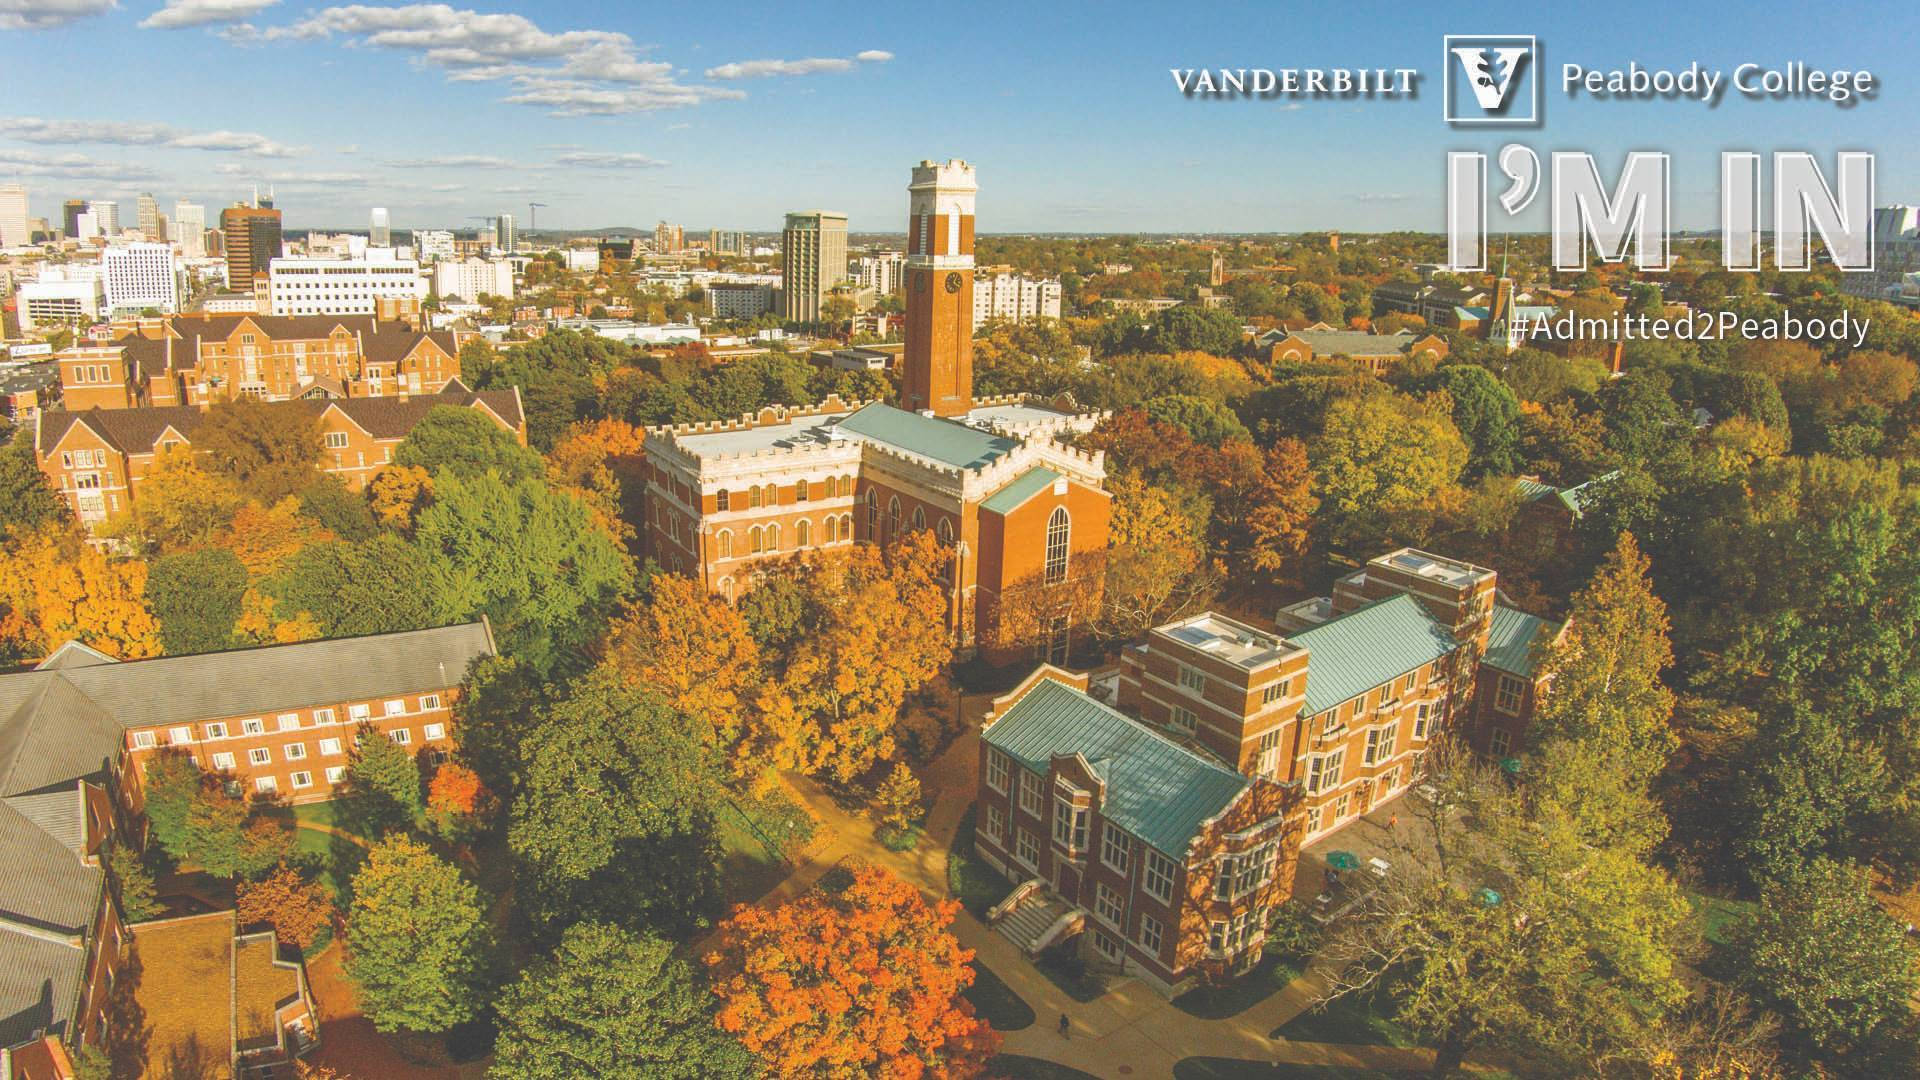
[1895, 277]
[432, 244]
[728, 300]
[380, 228]
[188, 229]
[139, 277]
[13, 216]
[813, 259]
[470, 279]
[98, 459]
[106, 217]
[726, 242]
[386, 286]
[881, 272]
[251, 240]
[71, 295]
[70, 212]
[583, 260]
[1014, 298]
[147, 217]
[505, 237]
[669, 239]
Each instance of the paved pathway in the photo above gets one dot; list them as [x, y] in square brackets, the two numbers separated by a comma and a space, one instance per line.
[1128, 1031]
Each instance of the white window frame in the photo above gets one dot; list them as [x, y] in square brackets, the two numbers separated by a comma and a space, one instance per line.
[217, 730]
[1508, 694]
[1323, 776]
[1183, 719]
[143, 740]
[1499, 742]
[360, 714]
[1032, 797]
[1070, 823]
[260, 755]
[302, 779]
[296, 751]
[1109, 906]
[265, 784]
[1158, 874]
[997, 824]
[1152, 934]
[1112, 840]
[336, 773]
[401, 736]
[223, 761]
[434, 731]
[1193, 680]
[329, 747]
[289, 721]
[323, 716]
[178, 736]
[394, 707]
[254, 726]
[429, 702]
[998, 770]
[1026, 847]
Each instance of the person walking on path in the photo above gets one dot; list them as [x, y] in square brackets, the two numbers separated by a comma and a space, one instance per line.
[1066, 1026]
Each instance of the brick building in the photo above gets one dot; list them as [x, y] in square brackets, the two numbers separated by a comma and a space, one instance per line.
[1162, 859]
[1376, 353]
[96, 459]
[1023, 511]
[195, 359]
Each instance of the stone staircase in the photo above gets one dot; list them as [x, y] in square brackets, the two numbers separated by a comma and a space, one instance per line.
[1033, 919]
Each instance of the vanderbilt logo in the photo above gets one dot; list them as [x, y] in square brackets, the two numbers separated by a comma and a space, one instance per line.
[1492, 79]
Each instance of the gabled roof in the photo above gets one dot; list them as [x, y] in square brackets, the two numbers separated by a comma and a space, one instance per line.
[1354, 342]
[946, 441]
[1353, 653]
[1156, 789]
[1513, 645]
[1020, 489]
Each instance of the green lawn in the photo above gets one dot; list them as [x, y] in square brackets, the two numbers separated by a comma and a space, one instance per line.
[995, 1002]
[756, 839]
[1361, 1019]
[1243, 993]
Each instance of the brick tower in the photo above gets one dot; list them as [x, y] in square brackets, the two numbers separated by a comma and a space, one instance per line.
[938, 368]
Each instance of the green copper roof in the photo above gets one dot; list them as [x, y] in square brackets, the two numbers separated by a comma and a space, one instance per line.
[1353, 653]
[1533, 490]
[946, 441]
[1157, 790]
[1577, 499]
[1510, 647]
[1019, 490]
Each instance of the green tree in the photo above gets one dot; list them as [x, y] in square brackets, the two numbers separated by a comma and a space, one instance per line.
[418, 939]
[27, 501]
[223, 838]
[1641, 418]
[896, 802]
[170, 782]
[1820, 950]
[612, 1004]
[132, 884]
[466, 443]
[337, 509]
[1488, 416]
[385, 779]
[352, 588]
[1384, 453]
[196, 596]
[1207, 421]
[1806, 789]
[269, 451]
[528, 557]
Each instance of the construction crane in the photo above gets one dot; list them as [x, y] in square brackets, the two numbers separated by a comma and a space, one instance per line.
[532, 217]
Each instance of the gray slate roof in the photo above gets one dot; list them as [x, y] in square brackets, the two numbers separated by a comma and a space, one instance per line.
[1157, 789]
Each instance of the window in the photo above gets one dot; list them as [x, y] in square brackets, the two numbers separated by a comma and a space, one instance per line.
[1433, 672]
[1029, 793]
[997, 771]
[359, 713]
[1069, 824]
[753, 497]
[143, 740]
[832, 527]
[260, 755]
[1380, 743]
[1159, 877]
[400, 736]
[329, 747]
[1185, 719]
[1341, 805]
[396, 707]
[1059, 530]
[336, 440]
[725, 539]
[1420, 718]
[302, 779]
[1243, 873]
[254, 726]
[945, 531]
[756, 539]
[1507, 694]
[997, 823]
[802, 533]
[919, 519]
[295, 751]
[265, 784]
[223, 762]
[1150, 934]
[1192, 679]
[800, 491]
[429, 702]
[323, 716]
[1500, 742]
[1314, 817]
[1267, 760]
[1324, 772]
[217, 731]
[1106, 904]
[1229, 936]
[773, 495]
[1115, 849]
[434, 731]
[720, 499]
[289, 721]
[1026, 847]
[846, 526]
[773, 538]
[336, 773]
[1108, 945]
[893, 516]
[873, 510]
[1273, 693]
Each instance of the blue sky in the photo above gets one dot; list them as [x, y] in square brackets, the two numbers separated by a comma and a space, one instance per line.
[620, 113]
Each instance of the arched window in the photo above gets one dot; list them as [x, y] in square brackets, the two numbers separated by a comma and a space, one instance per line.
[846, 527]
[773, 495]
[800, 491]
[725, 538]
[753, 496]
[919, 519]
[802, 533]
[756, 538]
[873, 510]
[833, 526]
[893, 517]
[773, 538]
[1059, 532]
[726, 589]
[945, 530]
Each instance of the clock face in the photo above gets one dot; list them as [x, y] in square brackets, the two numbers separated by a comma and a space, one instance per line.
[953, 281]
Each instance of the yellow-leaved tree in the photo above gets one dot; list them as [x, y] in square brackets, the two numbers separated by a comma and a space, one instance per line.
[55, 588]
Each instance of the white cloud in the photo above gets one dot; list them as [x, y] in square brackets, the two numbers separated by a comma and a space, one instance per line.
[760, 69]
[33, 163]
[44, 14]
[115, 133]
[454, 161]
[294, 178]
[1382, 196]
[594, 160]
[180, 14]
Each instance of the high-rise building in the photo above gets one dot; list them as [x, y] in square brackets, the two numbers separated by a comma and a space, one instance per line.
[726, 242]
[879, 271]
[106, 217]
[430, 244]
[1015, 298]
[13, 215]
[70, 212]
[380, 229]
[141, 276]
[669, 239]
[189, 229]
[251, 235]
[504, 236]
[148, 217]
[345, 286]
[937, 365]
[470, 279]
[813, 259]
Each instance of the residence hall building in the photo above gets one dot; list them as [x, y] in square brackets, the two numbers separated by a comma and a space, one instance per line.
[1165, 861]
[1374, 353]
[992, 478]
[195, 359]
[96, 459]
[1345, 699]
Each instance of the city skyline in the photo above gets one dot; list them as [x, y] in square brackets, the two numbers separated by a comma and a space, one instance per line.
[443, 113]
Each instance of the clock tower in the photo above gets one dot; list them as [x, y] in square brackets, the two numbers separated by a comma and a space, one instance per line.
[937, 372]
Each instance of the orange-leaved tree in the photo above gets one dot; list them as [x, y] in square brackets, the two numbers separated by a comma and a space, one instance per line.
[695, 650]
[55, 588]
[863, 982]
[296, 908]
[601, 461]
